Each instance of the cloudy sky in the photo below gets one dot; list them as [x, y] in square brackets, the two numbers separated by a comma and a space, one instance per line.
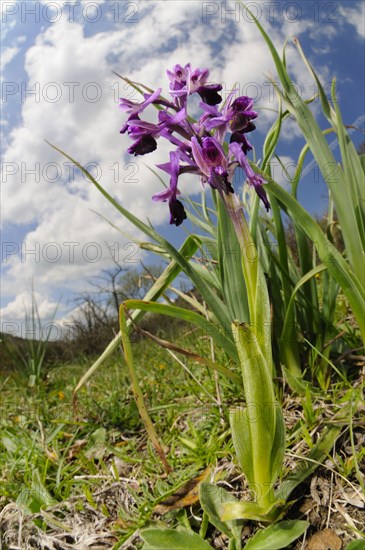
[57, 63]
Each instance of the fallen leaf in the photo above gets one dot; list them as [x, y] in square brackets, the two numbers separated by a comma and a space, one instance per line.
[76, 448]
[324, 540]
[186, 495]
[51, 455]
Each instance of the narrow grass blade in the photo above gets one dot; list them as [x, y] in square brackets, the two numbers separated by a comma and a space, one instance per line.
[208, 327]
[288, 339]
[158, 288]
[338, 181]
[230, 267]
[194, 357]
[138, 394]
[328, 254]
[314, 458]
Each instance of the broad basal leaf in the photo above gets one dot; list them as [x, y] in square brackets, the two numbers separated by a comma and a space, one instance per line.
[170, 539]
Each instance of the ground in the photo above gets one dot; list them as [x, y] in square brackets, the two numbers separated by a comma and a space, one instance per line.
[84, 475]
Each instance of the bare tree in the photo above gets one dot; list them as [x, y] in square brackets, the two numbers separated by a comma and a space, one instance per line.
[98, 309]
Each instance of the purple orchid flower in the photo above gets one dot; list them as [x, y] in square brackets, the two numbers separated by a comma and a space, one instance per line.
[145, 133]
[212, 162]
[197, 82]
[175, 123]
[177, 211]
[253, 179]
[215, 119]
[242, 114]
[133, 109]
[178, 76]
[236, 116]
[242, 140]
[184, 81]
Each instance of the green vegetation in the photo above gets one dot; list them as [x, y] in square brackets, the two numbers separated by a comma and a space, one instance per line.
[62, 460]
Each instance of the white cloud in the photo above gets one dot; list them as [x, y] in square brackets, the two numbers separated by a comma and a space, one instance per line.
[21, 307]
[32, 315]
[355, 16]
[7, 55]
[7, 10]
[282, 171]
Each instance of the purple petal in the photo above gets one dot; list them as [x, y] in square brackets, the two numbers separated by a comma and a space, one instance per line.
[177, 212]
[209, 94]
[242, 140]
[198, 155]
[145, 144]
[134, 108]
[163, 195]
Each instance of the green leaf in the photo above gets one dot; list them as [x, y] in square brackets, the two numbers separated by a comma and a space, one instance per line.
[212, 498]
[242, 442]
[278, 448]
[32, 499]
[296, 383]
[310, 463]
[98, 445]
[356, 545]
[259, 391]
[170, 539]
[256, 435]
[362, 162]
[250, 510]
[277, 536]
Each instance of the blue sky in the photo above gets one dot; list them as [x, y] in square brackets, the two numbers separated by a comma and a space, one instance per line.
[57, 63]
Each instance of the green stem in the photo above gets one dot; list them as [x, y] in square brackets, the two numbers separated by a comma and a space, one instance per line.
[261, 411]
[253, 344]
[257, 294]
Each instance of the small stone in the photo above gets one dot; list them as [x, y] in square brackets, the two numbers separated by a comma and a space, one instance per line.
[324, 540]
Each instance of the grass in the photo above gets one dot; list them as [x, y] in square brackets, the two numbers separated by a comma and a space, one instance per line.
[92, 460]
